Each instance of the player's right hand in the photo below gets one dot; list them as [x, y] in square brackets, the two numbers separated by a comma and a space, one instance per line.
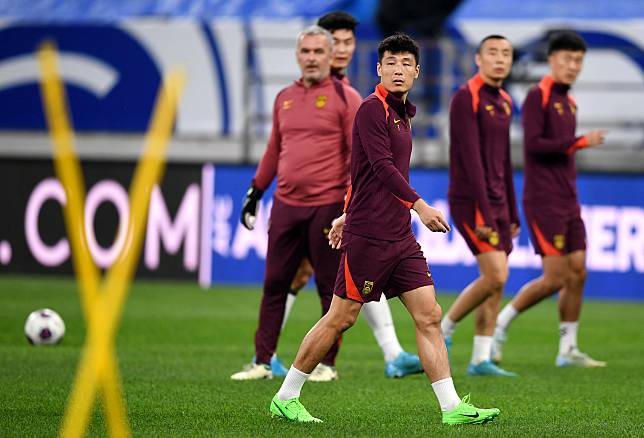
[249, 207]
[335, 235]
[431, 217]
[483, 232]
[595, 138]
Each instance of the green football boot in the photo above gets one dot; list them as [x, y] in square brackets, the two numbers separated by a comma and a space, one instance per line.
[292, 410]
[466, 413]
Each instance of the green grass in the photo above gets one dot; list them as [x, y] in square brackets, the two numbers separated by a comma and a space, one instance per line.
[177, 346]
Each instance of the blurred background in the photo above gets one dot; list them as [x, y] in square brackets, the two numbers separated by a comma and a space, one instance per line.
[238, 55]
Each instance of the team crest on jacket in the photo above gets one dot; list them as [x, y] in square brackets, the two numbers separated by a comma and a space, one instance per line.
[367, 288]
[287, 104]
[490, 109]
[320, 102]
[508, 110]
[559, 107]
[559, 240]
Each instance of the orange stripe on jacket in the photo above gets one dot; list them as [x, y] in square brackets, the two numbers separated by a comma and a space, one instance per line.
[405, 203]
[545, 85]
[579, 144]
[545, 246]
[352, 290]
[347, 198]
[381, 94]
[474, 85]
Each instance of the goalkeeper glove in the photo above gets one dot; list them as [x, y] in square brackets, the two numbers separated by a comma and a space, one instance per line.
[249, 207]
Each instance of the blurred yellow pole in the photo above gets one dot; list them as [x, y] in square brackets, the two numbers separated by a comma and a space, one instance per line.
[98, 366]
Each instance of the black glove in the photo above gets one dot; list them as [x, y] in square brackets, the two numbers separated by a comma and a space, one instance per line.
[249, 207]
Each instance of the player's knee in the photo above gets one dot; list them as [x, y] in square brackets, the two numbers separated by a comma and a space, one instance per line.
[429, 317]
[496, 279]
[578, 272]
[555, 282]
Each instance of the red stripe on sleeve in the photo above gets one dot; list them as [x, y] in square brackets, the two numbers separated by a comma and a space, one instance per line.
[474, 85]
[347, 198]
[581, 143]
[381, 94]
[545, 85]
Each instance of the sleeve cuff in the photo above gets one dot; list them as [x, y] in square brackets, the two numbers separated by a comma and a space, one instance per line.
[580, 143]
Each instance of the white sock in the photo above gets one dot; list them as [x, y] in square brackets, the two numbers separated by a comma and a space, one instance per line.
[568, 337]
[378, 316]
[482, 349]
[506, 316]
[292, 384]
[290, 300]
[448, 326]
[446, 394]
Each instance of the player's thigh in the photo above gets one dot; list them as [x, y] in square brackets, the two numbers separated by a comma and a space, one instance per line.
[422, 305]
[411, 270]
[493, 265]
[464, 215]
[364, 268]
[324, 259]
[286, 242]
[575, 235]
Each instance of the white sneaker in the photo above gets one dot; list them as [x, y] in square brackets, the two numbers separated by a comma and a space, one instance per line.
[578, 359]
[323, 373]
[498, 341]
[253, 371]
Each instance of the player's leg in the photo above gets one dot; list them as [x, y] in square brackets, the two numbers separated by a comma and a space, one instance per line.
[325, 261]
[398, 363]
[426, 313]
[323, 336]
[493, 275]
[570, 301]
[302, 276]
[286, 249]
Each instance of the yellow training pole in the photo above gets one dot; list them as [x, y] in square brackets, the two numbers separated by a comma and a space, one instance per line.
[69, 172]
[98, 356]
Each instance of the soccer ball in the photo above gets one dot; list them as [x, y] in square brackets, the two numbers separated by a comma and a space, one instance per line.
[44, 326]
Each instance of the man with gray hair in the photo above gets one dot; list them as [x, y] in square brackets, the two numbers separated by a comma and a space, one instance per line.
[309, 150]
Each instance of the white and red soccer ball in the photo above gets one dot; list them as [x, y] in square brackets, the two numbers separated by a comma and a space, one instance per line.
[44, 327]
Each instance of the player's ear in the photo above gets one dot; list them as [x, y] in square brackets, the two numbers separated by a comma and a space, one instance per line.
[379, 70]
[477, 60]
[417, 71]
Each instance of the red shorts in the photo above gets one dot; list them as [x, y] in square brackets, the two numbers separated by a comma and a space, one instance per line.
[370, 267]
[467, 217]
[555, 233]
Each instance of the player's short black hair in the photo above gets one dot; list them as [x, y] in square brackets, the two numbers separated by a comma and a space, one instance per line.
[338, 20]
[489, 37]
[398, 43]
[566, 40]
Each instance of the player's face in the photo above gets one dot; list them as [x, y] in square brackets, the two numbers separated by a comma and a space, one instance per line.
[397, 72]
[314, 58]
[344, 44]
[566, 65]
[495, 59]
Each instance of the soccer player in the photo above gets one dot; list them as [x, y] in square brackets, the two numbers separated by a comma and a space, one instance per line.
[481, 194]
[550, 198]
[308, 150]
[398, 363]
[379, 251]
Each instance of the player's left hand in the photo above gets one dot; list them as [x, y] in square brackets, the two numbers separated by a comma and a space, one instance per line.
[515, 229]
[335, 235]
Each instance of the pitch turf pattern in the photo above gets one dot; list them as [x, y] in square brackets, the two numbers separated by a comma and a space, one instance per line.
[178, 345]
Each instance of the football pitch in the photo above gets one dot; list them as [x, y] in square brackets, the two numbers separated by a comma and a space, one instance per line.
[177, 346]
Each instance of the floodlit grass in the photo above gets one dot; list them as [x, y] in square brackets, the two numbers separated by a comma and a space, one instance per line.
[178, 345]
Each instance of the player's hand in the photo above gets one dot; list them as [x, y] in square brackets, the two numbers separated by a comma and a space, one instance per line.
[431, 217]
[515, 229]
[249, 207]
[335, 235]
[483, 232]
[595, 138]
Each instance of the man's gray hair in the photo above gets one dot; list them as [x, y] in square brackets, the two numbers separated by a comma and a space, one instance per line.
[315, 30]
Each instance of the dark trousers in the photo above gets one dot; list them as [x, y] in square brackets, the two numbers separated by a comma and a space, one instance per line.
[295, 233]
